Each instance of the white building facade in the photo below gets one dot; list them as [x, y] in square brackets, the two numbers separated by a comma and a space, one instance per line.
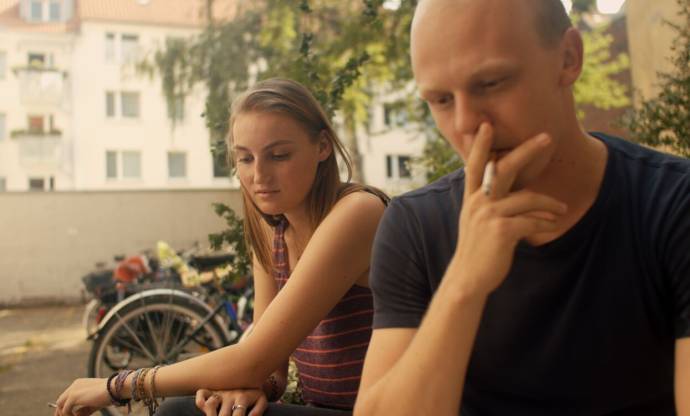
[76, 116]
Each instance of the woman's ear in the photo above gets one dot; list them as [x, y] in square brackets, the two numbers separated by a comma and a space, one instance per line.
[325, 146]
[572, 49]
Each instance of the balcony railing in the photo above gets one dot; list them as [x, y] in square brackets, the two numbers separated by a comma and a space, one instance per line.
[41, 86]
[44, 150]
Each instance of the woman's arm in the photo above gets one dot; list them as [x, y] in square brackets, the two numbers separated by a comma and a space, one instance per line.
[335, 257]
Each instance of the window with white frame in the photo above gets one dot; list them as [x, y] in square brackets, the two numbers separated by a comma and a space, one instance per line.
[395, 114]
[176, 109]
[110, 47]
[36, 10]
[398, 167]
[128, 104]
[3, 184]
[129, 47]
[54, 10]
[3, 126]
[131, 165]
[111, 164]
[110, 104]
[3, 64]
[127, 162]
[177, 165]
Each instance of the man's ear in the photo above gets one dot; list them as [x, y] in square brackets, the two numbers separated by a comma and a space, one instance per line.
[572, 53]
[325, 146]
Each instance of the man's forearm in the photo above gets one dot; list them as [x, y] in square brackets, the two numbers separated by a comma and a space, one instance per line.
[429, 377]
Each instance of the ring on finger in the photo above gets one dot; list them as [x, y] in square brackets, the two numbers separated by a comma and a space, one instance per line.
[237, 406]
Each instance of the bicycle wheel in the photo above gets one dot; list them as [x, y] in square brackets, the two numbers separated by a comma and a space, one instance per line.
[161, 329]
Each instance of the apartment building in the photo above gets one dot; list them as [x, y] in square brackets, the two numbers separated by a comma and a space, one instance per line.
[74, 112]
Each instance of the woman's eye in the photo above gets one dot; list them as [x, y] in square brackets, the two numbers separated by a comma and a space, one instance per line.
[491, 83]
[244, 159]
[280, 156]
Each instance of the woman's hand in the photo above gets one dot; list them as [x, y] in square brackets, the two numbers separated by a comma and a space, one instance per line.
[231, 402]
[83, 397]
[494, 220]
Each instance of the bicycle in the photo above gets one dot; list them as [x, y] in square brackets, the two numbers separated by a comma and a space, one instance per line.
[164, 326]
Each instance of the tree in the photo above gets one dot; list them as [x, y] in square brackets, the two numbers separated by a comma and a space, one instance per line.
[665, 120]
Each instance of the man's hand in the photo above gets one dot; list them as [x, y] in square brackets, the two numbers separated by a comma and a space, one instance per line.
[492, 224]
[231, 402]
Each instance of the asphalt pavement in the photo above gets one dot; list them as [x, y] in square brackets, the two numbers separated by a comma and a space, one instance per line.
[42, 350]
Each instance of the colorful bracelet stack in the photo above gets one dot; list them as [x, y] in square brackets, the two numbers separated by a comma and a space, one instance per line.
[138, 388]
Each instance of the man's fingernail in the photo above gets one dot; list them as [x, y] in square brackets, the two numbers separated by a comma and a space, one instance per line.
[543, 139]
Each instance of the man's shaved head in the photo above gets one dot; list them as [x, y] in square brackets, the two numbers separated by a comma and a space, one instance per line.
[550, 17]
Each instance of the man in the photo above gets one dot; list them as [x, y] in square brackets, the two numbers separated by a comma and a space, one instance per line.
[551, 276]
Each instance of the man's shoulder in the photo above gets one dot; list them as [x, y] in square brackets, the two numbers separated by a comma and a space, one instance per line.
[431, 194]
[639, 157]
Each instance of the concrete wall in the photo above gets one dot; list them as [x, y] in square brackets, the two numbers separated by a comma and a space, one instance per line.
[49, 240]
[650, 41]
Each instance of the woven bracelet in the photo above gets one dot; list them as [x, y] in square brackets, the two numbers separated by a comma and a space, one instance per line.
[114, 400]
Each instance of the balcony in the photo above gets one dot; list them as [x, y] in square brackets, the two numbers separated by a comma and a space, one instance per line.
[41, 86]
[40, 149]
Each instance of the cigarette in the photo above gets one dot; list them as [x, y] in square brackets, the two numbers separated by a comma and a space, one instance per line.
[488, 180]
[53, 405]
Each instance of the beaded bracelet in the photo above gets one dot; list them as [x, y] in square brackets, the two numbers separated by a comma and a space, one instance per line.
[152, 403]
[141, 391]
[133, 387]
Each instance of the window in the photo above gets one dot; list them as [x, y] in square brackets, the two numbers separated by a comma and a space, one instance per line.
[36, 10]
[129, 48]
[404, 167]
[109, 47]
[398, 167]
[110, 104]
[130, 104]
[131, 165]
[177, 165]
[3, 184]
[37, 60]
[36, 124]
[395, 114]
[111, 165]
[54, 11]
[176, 110]
[3, 64]
[3, 120]
[37, 184]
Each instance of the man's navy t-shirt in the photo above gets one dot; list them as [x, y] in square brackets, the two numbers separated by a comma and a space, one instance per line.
[585, 324]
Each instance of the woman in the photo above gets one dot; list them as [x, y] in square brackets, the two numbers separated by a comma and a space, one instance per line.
[311, 237]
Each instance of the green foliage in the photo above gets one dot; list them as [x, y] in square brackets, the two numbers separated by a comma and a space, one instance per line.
[233, 236]
[596, 86]
[665, 120]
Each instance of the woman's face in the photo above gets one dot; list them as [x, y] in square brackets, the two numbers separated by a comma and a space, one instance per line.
[276, 160]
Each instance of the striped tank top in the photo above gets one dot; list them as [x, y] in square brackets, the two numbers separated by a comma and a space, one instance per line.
[330, 359]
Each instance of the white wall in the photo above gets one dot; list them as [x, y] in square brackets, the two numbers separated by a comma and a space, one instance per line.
[48, 241]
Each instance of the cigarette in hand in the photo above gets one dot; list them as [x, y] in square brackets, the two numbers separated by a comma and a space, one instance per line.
[488, 180]
[53, 405]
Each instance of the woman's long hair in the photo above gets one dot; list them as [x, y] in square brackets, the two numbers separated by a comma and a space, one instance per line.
[289, 98]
